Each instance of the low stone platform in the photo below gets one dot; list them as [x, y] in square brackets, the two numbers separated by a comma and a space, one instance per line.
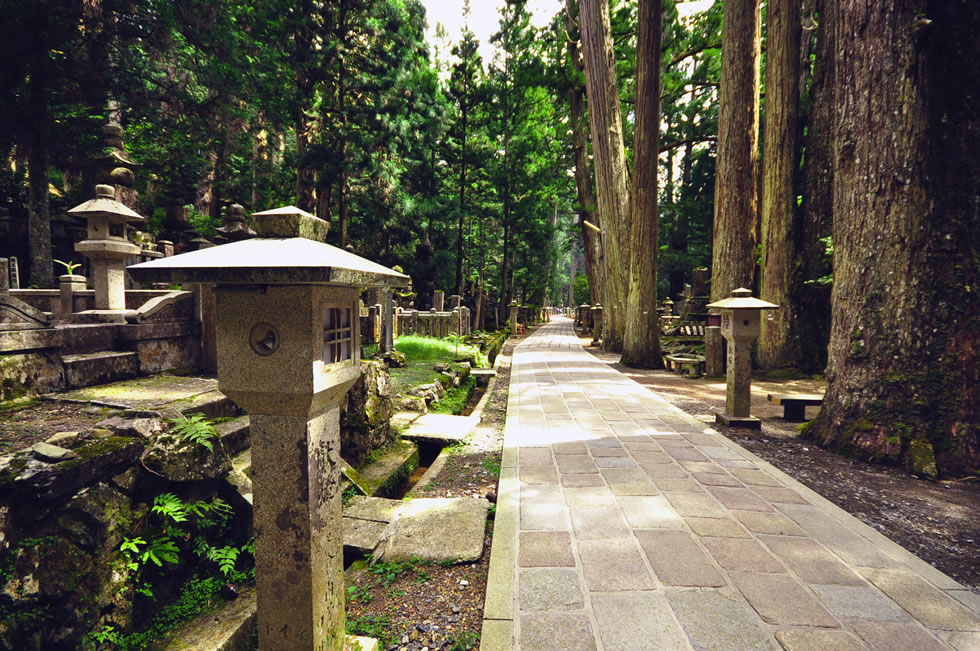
[429, 529]
[441, 429]
[157, 393]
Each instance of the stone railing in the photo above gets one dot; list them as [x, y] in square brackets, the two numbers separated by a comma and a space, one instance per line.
[434, 324]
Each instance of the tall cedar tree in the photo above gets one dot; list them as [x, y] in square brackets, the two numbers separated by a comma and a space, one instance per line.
[778, 345]
[641, 343]
[736, 178]
[904, 377]
[612, 187]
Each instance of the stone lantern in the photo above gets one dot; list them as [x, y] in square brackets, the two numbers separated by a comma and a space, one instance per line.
[741, 318]
[287, 350]
[108, 249]
[596, 311]
[514, 307]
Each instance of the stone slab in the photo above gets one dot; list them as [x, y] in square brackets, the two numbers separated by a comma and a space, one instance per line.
[595, 522]
[649, 512]
[739, 499]
[155, 392]
[543, 508]
[925, 602]
[742, 555]
[810, 560]
[677, 560]
[629, 481]
[795, 639]
[779, 599]
[614, 565]
[857, 602]
[377, 509]
[888, 636]
[535, 457]
[437, 529]
[575, 463]
[444, 429]
[539, 475]
[550, 589]
[545, 549]
[636, 622]
[771, 523]
[716, 527]
[699, 505]
[363, 536]
[589, 496]
[564, 631]
[840, 539]
[715, 621]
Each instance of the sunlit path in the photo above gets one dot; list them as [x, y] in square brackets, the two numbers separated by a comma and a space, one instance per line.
[624, 523]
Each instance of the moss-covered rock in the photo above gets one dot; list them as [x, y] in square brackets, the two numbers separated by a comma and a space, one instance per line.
[366, 412]
[921, 459]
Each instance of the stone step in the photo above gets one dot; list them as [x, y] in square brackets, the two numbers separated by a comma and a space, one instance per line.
[87, 369]
[441, 429]
[483, 375]
[241, 474]
[382, 476]
[235, 435]
[213, 404]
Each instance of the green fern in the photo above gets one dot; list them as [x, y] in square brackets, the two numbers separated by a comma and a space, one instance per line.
[196, 429]
[170, 506]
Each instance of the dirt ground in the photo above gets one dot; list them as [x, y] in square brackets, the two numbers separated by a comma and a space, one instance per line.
[937, 521]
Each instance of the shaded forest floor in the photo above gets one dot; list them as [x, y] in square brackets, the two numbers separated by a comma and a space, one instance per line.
[936, 521]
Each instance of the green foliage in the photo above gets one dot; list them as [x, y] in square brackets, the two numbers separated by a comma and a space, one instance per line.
[195, 428]
[376, 626]
[492, 466]
[455, 399]
[435, 349]
[69, 266]
[463, 641]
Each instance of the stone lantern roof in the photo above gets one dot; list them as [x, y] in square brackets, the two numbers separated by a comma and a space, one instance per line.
[105, 205]
[742, 298]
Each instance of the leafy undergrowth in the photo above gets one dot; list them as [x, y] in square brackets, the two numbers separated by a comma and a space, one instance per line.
[456, 398]
[422, 354]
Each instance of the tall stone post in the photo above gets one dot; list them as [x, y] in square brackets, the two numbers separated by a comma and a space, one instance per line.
[596, 311]
[69, 285]
[740, 325]
[455, 301]
[438, 300]
[514, 307]
[287, 333]
[4, 275]
[388, 329]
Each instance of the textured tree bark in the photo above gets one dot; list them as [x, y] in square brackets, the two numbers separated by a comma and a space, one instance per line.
[608, 152]
[811, 298]
[736, 176]
[903, 371]
[641, 340]
[778, 343]
[583, 167]
[39, 204]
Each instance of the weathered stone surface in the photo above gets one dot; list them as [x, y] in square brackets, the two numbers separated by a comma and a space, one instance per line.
[921, 459]
[385, 474]
[429, 392]
[740, 499]
[771, 523]
[896, 635]
[716, 527]
[809, 639]
[545, 549]
[677, 560]
[365, 413]
[649, 512]
[594, 522]
[180, 460]
[698, 505]
[549, 589]
[141, 427]
[31, 373]
[715, 621]
[636, 622]
[928, 604]
[556, 631]
[437, 529]
[154, 392]
[539, 475]
[742, 555]
[363, 536]
[779, 599]
[811, 561]
[375, 509]
[63, 439]
[589, 496]
[543, 509]
[51, 453]
[441, 429]
[613, 565]
[857, 602]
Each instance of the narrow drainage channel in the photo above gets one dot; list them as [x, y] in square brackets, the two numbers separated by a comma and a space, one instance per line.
[428, 451]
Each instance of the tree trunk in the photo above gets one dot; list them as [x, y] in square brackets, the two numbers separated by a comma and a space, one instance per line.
[583, 167]
[903, 370]
[462, 204]
[736, 176]
[42, 266]
[641, 340]
[682, 225]
[612, 186]
[778, 344]
[811, 288]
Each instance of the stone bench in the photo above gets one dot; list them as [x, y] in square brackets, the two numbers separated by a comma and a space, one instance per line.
[678, 363]
[795, 404]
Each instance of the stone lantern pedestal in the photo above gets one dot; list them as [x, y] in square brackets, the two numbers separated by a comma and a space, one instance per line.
[514, 307]
[596, 311]
[108, 249]
[288, 350]
[741, 316]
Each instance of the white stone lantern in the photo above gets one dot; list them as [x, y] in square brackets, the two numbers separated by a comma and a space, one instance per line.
[741, 318]
[108, 249]
[288, 350]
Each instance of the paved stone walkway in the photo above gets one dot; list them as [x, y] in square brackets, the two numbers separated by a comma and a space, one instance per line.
[624, 523]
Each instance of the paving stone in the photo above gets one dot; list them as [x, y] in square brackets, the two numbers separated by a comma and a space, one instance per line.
[700, 438]
[843, 541]
[629, 481]
[718, 452]
[677, 442]
[594, 522]
[605, 442]
[714, 621]
[699, 505]
[664, 471]
[592, 479]
[542, 507]
[739, 499]
[736, 463]
[810, 560]
[771, 523]
[639, 442]
[889, 636]
[777, 495]
[437, 529]
[857, 602]
[549, 589]
[614, 565]
[615, 462]
[677, 560]
[716, 527]
[636, 622]
[702, 466]
[497, 635]
[571, 447]
[539, 475]
[535, 457]
[779, 599]
[742, 555]
[589, 496]
[962, 641]
[608, 452]
[714, 479]
[755, 477]
[575, 463]
[926, 603]
[643, 512]
[556, 631]
[651, 456]
[685, 454]
[678, 486]
[796, 639]
[545, 549]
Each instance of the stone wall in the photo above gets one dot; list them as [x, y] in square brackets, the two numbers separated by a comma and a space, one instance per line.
[434, 324]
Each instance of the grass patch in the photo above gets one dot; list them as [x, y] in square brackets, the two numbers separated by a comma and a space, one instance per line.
[456, 398]
[436, 349]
